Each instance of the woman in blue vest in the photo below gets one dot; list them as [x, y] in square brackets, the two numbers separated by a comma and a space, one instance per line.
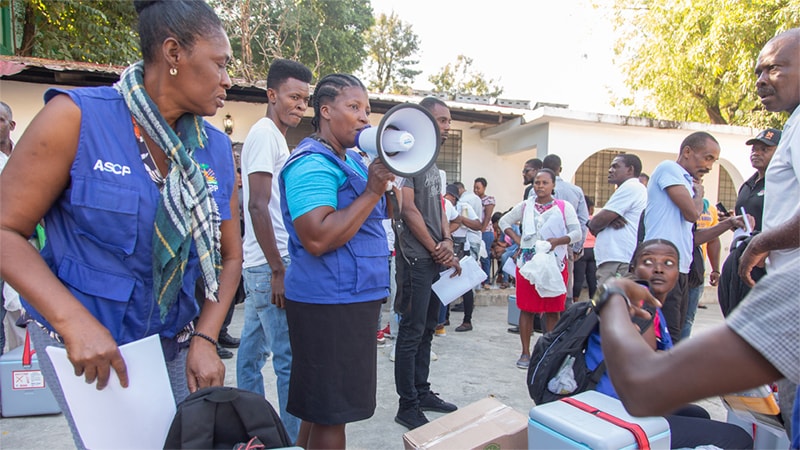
[133, 185]
[333, 208]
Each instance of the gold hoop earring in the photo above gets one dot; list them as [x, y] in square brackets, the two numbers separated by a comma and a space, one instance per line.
[173, 71]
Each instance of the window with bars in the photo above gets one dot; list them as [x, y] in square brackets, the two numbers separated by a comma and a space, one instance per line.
[592, 176]
[727, 191]
[449, 158]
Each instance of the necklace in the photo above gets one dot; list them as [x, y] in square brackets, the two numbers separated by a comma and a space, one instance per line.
[147, 157]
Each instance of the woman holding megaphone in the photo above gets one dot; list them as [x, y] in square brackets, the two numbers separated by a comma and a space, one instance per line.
[333, 207]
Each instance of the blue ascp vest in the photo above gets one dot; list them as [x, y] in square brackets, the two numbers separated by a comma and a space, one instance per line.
[100, 230]
[355, 272]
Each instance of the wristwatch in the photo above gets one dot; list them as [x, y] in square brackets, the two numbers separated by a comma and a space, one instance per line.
[604, 293]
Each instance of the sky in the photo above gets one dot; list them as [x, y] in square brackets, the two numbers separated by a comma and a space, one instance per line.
[556, 51]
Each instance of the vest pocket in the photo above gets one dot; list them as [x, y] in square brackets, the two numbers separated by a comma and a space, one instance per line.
[106, 213]
[105, 295]
[372, 264]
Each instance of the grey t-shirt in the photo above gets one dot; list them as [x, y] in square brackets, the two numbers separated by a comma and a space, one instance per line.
[769, 320]
[428, 200]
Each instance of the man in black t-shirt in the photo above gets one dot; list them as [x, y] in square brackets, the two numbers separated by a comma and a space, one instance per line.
[751, 193]
[731, 288]
[424, 246]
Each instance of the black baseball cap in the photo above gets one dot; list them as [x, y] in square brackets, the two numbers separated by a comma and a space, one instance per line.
[452, 189]
[770, 136]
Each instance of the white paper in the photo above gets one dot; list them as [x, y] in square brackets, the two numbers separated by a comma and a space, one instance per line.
[510, 267]
[136, 417]
[449, 289]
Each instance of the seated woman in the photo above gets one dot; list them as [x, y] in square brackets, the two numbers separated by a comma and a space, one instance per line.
[656, 261]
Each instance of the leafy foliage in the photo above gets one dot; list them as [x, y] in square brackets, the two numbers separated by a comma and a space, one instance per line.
[391, 43]
[693, 60]
[459, 78]
[99, 31]
[325, 35]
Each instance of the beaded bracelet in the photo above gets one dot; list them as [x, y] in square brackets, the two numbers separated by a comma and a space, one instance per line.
[206, 337]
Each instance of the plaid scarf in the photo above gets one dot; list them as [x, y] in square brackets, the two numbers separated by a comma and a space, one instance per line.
[186, 210]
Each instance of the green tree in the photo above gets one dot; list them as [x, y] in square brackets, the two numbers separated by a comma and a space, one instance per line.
[325, 35]
[98, 31]
[459, 78]
[693, 60]
[391, 43]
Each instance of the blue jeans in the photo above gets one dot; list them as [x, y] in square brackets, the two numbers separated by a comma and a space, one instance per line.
[486, 263]
[694, 299]
[419, 309]
[265, 329]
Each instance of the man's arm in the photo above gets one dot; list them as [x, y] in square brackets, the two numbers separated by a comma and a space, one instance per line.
[260, 194]
[690, 207]
[714, 248]
[603, 220]
[472, 224]
[701, 236]
[416, 224]
[638, 372]
[786, 235]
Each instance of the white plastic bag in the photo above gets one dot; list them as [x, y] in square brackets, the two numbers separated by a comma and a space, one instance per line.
[542, 271]
[564, 382]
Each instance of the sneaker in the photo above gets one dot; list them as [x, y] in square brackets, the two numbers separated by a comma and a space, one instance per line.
[513, 330]
[224, 353]
[434, 356]
[466, 326]
[381, 338]
[432, 402]
[440, 331]
[387, 333]
[228, 341]
[524, 361]
[410, 418]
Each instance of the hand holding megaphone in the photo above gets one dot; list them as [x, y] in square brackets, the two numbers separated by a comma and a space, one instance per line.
[406, 141]
[379, 177]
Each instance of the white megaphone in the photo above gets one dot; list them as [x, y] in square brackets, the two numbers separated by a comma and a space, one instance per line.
[406, 141]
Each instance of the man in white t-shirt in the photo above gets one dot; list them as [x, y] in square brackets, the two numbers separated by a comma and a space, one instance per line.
[616, 226]
[778, 85]
[266, 253]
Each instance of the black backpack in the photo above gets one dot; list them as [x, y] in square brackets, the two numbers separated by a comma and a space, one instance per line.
[222, 417]
[568, 338]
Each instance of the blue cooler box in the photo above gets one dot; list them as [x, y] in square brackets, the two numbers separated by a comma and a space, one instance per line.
[23, 391]
[560, 425]
[513, 311]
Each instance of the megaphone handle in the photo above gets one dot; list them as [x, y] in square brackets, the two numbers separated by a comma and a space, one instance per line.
[394, 205]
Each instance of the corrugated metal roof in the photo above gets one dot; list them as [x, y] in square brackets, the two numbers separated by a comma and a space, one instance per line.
[75, 73]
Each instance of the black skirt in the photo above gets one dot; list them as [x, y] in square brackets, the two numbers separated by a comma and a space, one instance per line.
[334, 361]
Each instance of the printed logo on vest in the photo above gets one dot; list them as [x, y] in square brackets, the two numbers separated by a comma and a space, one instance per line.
[211, 178]
[117, 169]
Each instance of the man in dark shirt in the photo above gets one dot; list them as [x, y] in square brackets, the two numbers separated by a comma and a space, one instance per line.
[751, 194]
[731, 288]
[528, 172]
[424, 247]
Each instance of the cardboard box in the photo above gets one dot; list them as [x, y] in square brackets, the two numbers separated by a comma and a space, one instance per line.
[486, 423]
